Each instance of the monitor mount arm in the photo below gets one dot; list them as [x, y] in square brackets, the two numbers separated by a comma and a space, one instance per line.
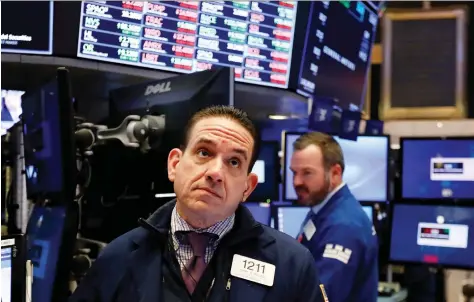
[134, 132]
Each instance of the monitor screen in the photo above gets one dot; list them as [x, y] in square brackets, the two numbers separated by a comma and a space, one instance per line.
[6, 274]
[290, 219]
[44, 234]
[366, 167]
[32, 37]
[267, 168]
[336, 53]
[260, 211]
[48, 129]
[11, 109]
[438, 235]
[437, 168]
[369, 211]
[256, 38]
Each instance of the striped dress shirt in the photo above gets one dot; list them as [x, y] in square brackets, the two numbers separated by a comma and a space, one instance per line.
[183, 250]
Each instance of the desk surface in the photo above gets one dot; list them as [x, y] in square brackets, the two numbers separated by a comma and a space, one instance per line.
[398, 297]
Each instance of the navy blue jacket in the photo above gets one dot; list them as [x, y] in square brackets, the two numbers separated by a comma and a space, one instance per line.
[344, 244]
[130, 268]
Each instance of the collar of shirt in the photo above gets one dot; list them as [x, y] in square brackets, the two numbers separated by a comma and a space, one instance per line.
[318, 207]
[220, 229]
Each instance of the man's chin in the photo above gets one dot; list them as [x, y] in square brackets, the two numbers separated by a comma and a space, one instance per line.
[303, 202]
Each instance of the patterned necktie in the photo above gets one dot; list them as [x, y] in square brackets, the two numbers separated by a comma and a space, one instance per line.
[195, 267]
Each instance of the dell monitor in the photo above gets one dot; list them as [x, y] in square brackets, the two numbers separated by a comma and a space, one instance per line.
[437, 168]
[267, 168]
[13, 268]
[261, 212]
[366, 166]
[51, 235]
[48, 129]
[336, 52]
[438, 235]
[177, 98]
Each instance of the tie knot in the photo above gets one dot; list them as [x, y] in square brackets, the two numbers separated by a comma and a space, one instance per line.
[199, 242]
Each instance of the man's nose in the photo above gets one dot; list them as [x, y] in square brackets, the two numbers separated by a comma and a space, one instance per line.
[215, 170]
[297, 181]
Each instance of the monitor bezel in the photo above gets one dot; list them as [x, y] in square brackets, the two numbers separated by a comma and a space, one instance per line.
[399, 192]
[18, 275]
[434, 203]
[275, 178]
[284, 166]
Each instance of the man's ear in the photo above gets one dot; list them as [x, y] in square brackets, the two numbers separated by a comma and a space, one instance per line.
[252, 181]
[173, 160]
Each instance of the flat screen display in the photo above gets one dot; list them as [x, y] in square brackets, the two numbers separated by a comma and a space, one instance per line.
[27, 27]
[437, 168]
[6, 274]
[43, 151]
[261, 212]
[256, 38]
[11, 109]
[366, 167]
[438, 235]
[44, 234]
[267, 168]
[336, 53]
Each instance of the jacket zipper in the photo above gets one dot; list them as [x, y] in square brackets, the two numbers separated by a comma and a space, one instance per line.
[227, 287]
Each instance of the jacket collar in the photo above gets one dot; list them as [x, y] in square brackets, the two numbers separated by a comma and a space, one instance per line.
[245, 226]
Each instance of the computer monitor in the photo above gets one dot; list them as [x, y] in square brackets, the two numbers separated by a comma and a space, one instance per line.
[51, 235]
[48, 129]
[178, 98]
[11, 109]
[439, 235]
[261, 212]
[437, 168]
[289, 219]
[366, 166]
[13, 268]
[267, 167]
[332, 66]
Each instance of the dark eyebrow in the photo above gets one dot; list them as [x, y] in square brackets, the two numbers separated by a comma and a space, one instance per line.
[207, 141]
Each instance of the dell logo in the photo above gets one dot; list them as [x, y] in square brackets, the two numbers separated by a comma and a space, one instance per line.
[158, 88]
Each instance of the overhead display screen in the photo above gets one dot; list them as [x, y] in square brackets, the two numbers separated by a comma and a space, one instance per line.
[336, 54]
[256, 38]
[27, 27]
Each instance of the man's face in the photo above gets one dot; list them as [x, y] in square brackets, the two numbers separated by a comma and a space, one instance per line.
[310, 180]
[211, 175]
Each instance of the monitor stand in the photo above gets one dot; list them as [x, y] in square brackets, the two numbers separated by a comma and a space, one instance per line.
[440, 284]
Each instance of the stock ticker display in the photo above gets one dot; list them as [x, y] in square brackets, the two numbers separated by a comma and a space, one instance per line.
[256, 38]
[336, 54]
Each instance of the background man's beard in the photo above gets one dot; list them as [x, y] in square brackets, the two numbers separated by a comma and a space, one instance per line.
[317, 197]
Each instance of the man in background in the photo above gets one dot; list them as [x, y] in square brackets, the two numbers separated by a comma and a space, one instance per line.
[205, 246]
[336, 230]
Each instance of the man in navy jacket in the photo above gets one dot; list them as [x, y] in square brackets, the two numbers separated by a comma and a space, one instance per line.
[205, 246]
[336, 230]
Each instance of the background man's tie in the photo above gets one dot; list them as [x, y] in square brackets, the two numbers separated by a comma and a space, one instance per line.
[195, 267]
